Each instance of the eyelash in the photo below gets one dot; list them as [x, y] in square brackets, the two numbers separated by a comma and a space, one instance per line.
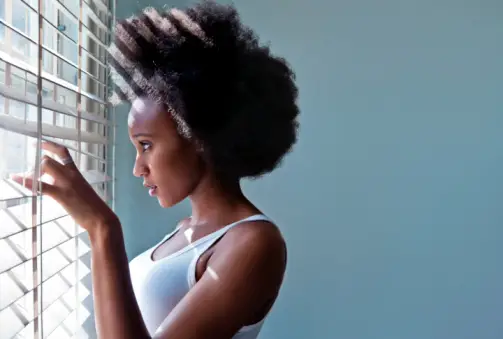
[145, 146]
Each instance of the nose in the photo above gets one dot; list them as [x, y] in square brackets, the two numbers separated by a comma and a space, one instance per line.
[139, 169]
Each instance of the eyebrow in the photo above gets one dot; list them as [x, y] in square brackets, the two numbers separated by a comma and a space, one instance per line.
[142, 135]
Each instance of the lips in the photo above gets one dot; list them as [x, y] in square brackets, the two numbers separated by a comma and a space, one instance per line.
[152, 189]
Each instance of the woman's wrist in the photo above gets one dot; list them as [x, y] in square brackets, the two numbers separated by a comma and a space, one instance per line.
[104, 229]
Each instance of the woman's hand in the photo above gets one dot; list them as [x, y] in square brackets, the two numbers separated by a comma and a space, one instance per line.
[116, 309]
[70, 189]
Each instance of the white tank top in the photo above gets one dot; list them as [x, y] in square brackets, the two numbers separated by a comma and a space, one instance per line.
[160, 284]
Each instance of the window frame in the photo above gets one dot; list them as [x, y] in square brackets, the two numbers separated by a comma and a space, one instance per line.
[95, 159]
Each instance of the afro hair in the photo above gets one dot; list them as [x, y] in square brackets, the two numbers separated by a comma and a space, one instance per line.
[222, 87]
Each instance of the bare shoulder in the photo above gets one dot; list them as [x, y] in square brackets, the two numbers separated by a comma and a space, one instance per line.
[257, 243]
[256, 237]
[250, 261]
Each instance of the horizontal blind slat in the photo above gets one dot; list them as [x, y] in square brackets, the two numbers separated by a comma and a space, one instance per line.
[75, 149]
[17, 94]
[47, 76]
[6, 268]
[29, 128]
[66, 266]
[56, 220]
[11, 197]
[48, 22]
[70, 312]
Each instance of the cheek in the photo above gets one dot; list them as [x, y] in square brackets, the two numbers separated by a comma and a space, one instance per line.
[176, 174]
[164, 168]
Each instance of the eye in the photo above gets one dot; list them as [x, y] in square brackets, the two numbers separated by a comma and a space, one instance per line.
[145, 145]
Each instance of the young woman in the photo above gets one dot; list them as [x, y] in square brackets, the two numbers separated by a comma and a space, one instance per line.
[209, 106]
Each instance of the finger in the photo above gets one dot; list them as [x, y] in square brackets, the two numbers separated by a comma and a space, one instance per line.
[50, 166]
[61, 151]
[27, 182]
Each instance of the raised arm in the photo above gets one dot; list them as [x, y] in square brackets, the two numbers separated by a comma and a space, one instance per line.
[240, 280]
[116, 310]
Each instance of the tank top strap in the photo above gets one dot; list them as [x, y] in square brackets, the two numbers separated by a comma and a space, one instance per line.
[170, 234]
[166, 237]
[215, 236]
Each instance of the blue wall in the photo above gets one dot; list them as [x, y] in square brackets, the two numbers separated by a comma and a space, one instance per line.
[391, 203]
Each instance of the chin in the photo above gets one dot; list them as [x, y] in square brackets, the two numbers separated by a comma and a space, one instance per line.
[167, 202]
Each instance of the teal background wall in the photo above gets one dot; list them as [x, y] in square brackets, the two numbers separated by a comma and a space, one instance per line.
[391, 203]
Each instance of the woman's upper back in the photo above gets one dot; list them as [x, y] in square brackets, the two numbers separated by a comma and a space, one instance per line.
[161, 284]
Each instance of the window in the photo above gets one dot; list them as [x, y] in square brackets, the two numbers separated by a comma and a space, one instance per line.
[2, 10]
[2, 18]
[45, 286]
[21, 16]
[2, 33]
[67, 25]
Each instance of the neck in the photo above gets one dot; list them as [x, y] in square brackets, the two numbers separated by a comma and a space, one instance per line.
[213, 202]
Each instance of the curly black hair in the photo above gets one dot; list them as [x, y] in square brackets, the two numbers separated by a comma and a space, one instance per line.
[222, 87]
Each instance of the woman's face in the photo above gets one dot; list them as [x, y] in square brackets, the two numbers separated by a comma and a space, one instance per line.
[170, 165]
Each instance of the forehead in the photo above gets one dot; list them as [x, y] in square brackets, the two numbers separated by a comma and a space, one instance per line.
[143, 112]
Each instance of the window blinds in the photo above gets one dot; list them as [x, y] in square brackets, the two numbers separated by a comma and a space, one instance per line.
[53, 86]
